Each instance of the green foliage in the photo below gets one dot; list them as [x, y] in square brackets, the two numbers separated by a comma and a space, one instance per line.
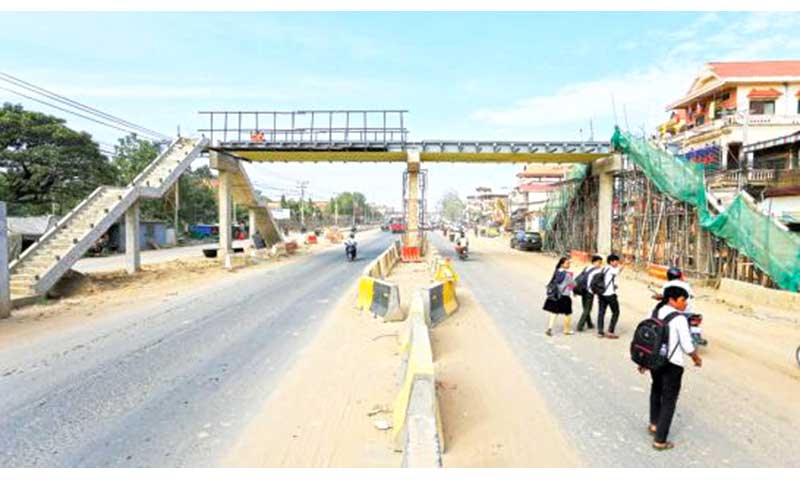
[46, 166]
[198, 200]
[131, 156]
[348, 202]
[452, 207]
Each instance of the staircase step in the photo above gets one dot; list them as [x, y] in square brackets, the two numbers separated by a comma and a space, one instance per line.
[21, 291]
[23, 278]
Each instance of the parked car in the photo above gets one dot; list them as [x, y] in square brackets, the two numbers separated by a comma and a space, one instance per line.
[527, 241]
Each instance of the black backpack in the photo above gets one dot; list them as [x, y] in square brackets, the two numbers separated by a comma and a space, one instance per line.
[582, 281]
[552, 290]
[598, 286]
[650, 341]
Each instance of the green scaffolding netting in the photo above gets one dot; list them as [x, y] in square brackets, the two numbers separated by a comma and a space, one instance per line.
[772, 249]
[560, 198]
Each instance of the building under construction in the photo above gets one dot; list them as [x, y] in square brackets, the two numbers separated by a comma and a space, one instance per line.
[656, 223]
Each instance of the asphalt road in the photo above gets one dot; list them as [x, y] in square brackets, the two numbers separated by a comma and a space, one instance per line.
[167, 384]
[598, 398]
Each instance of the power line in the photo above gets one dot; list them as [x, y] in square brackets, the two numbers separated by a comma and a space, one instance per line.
[80, 106]
[67, 111]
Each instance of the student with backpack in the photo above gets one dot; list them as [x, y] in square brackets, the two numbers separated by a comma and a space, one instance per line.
[655, 347]
[582, 283]
[558, 300]
[605, 287]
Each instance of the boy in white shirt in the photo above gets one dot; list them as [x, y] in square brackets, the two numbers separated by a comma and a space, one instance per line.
[609, 298]
[667, 379]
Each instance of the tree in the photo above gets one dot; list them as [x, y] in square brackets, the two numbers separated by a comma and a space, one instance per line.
[452, 207]
[198, 197]
[47, 167]
[131, 156]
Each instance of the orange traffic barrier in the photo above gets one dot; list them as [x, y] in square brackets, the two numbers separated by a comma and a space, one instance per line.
[657, 271]
[410, 254]
[580, 256]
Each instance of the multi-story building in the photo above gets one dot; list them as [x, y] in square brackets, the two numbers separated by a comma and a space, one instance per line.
[487, 208]
[529, 197]
[731, 104]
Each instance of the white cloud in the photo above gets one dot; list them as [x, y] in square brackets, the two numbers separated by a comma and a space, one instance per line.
[644, 93]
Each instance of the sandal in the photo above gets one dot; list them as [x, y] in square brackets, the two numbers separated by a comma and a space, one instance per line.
[663, 446]
[651, 429]
[611, 335]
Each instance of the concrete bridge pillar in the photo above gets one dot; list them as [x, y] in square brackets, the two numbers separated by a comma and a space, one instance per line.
[251, 222]
[225, 209]
[132, 247]
[412, 222]
[604, 169]
[225, 165]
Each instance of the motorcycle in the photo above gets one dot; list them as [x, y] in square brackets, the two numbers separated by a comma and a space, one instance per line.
[695, 319]
[463, 253]
[350, 252]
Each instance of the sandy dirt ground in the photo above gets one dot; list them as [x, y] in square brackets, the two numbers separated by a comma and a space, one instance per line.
[750, 348]
[320, 414]
[492, 414]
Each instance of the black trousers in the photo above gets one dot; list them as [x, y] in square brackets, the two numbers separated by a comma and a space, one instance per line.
[664, 397]
[607, 301]
[586, 317]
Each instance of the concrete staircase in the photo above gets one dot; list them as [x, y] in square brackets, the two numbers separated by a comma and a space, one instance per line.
[43, 263]
[720, 198]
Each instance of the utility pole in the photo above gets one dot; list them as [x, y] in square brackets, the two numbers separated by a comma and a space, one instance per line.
[336, 211]
[302, 186]
[177, 207]
[5, 280]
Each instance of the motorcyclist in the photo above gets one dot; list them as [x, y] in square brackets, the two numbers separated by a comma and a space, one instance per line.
[462, 242]
[350, 244]
[675, 278]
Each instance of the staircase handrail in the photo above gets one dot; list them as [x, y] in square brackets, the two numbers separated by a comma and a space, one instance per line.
[50, 232]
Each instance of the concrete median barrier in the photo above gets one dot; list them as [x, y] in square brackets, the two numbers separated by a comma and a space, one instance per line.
[382, 266]
[380, 298]
[440, 301]
[416, 421]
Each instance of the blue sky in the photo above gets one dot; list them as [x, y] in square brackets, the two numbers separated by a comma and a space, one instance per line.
[475, 76]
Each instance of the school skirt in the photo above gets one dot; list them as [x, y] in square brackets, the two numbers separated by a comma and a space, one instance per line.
[562, 306]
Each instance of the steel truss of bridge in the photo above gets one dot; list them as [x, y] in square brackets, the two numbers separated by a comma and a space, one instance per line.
[369, 136]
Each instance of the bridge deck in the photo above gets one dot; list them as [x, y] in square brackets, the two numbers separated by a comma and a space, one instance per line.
[430, 151]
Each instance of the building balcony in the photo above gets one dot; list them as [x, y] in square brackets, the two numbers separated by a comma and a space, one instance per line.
[759, 177]
[733, 121]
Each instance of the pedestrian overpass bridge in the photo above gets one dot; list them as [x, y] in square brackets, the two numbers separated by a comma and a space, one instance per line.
[376, 136]
[369, 136]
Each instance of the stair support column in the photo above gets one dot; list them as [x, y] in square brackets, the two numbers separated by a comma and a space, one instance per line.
[225, 209]
[132, 247]
[252, 227]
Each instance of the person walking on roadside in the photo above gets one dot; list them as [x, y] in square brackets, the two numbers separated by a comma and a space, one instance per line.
[587, 297]
[559, 301]
[667, 378]
[609, 297]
